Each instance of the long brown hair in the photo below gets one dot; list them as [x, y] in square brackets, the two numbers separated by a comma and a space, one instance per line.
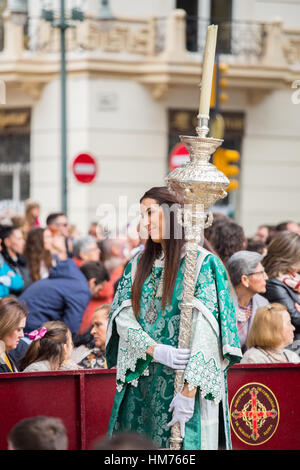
[49, 348]
[36, 253]
[172, 249]
[283, 253]
[11, 313]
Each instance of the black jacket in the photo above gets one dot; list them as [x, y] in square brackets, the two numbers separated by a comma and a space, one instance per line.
[277, 291]
[4, 367]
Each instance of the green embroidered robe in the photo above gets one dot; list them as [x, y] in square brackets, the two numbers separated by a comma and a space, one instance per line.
[145, 388]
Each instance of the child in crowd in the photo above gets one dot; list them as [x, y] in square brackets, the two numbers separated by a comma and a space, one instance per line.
[50, 349]
[38, 433]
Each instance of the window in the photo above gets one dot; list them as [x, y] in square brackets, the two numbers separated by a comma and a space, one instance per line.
[221, 14]
[191, 8]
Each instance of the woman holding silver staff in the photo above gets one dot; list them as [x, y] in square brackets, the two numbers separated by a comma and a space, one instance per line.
[143, 329]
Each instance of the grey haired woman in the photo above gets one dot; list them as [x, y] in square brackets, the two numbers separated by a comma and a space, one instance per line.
[248, 277]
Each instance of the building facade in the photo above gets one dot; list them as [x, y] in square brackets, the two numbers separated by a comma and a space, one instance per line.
[133, 88]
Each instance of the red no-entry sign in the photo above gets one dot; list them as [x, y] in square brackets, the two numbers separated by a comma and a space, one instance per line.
[85, 168]
[178, 156]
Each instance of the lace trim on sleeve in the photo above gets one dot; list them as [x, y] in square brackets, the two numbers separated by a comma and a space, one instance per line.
[130, 350]
[205, 375]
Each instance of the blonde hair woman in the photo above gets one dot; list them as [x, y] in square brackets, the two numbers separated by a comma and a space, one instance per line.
[12, 322]
[270, 334]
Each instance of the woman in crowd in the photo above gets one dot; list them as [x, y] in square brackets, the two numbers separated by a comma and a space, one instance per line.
[248, 278]
[270, 334]
[89, 350]
[227, 238]
[282, 264]
[12, 323]
[10, 281]
[142, 336]
[13, 244]
[31, 216]
[50, 349]
[39, 258]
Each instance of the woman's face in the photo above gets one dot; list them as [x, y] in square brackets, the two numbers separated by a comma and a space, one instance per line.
[256, 281]
[99, 328]
[152, 220]
[12, 339]
[16, 242]
[287, 329]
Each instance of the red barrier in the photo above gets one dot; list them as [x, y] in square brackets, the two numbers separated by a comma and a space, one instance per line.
[264, 404]
[82, 399]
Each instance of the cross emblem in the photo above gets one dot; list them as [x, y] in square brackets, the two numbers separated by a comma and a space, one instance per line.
[254, 413]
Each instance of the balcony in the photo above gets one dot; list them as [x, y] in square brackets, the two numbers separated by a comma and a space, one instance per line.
[158, 52]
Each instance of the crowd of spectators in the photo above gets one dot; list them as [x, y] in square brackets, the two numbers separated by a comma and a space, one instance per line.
[62, 284]
[56, 288]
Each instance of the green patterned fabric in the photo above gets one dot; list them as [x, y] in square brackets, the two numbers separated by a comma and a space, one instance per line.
[145, 388]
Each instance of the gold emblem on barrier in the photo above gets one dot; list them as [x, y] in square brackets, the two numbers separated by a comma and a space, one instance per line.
[254, 414]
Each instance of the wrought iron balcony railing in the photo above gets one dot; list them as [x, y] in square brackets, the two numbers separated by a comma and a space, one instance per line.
[240, 41]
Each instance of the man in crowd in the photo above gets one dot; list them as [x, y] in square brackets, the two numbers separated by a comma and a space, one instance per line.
[64, 295]
[58, 224]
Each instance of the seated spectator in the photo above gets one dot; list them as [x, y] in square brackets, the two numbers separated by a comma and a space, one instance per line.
[218, 218]
[64, 296]
[282, 264]
[13, 244]
[39, 258]
[85, 249]
[258, 246]
[38, 433]
[112, 255]
[264, 233]
[12, 323]
[96, 231]
[58, 224]
[50, 349]
[102, 277]
[32, 214]
[228, 238]
[271, 332]
[289, 225]
[10, 281]
[125, 441]
[89, 350]
[248, 278]
[136, 243]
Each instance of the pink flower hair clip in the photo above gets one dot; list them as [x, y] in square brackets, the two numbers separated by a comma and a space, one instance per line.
[35, 334]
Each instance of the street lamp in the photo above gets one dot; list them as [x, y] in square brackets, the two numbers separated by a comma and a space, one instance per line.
[63, 24]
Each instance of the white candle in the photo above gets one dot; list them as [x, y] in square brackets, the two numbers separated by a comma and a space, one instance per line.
[207, 70]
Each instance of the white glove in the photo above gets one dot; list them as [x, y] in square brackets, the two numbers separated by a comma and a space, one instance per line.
[183, 410]
[171, 357]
